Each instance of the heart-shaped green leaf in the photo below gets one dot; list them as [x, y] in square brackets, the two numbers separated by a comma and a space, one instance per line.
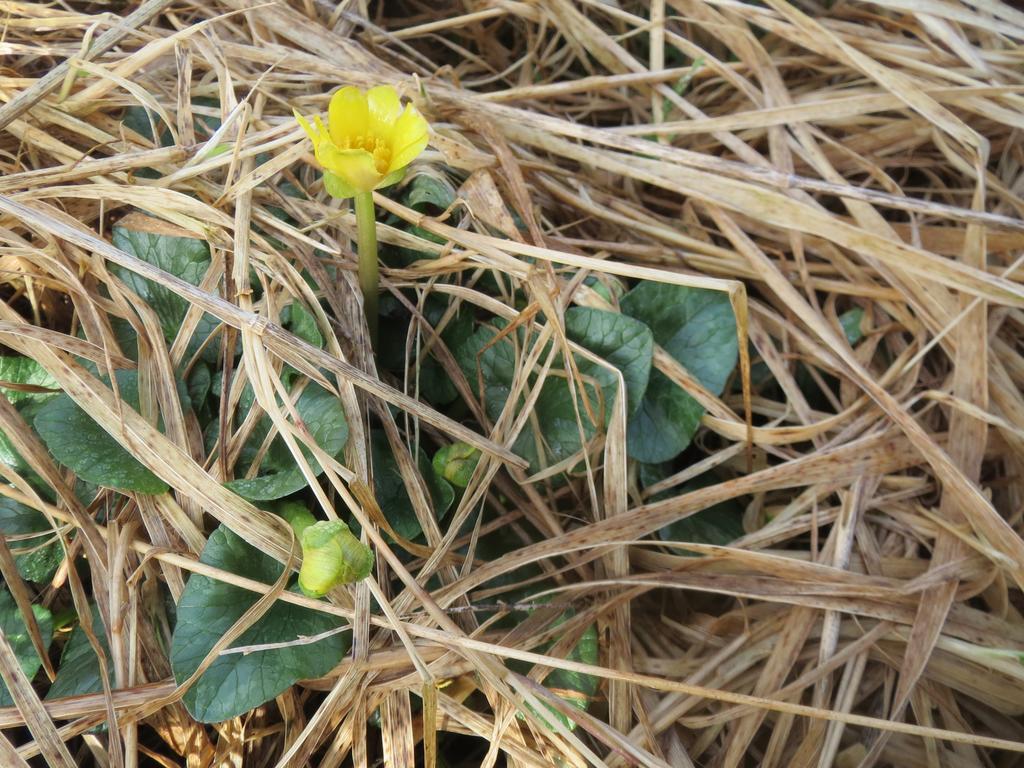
[278, 476]
[237, 682]
[78, 442]
[697, 327]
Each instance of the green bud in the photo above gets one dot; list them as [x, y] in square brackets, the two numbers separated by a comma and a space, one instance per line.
[456, 462]
[331, 555]
[298, 517]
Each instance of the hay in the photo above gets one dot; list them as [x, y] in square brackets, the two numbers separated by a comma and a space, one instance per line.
[805, 160]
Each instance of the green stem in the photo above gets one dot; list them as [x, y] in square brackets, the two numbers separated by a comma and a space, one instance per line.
[367, 226]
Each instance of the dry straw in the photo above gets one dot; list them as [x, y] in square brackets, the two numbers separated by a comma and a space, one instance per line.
[805, 160]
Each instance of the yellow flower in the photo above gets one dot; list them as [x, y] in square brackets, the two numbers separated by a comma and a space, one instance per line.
[369, 139]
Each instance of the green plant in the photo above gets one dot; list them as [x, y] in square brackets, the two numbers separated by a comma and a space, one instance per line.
[503, 366]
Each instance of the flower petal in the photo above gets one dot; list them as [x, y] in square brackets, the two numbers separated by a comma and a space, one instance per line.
[384, 107]
[409, 138]
[309, 129]
[347, 114]
[354, 167]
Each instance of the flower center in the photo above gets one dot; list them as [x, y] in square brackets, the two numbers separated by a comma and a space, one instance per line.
[375, 145]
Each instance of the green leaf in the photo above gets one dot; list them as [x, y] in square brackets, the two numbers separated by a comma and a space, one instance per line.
[297, 319]
[554, 414]
[78, 442]
[206, 124]
[125, 336]
[559, 430]
[851, 324]
[665, 422]
[37, 557]
[175, 251]
[391, 493]
[694, 325]
[79, 671]
[494, 364]
[236, 683]
[489, 367]
[720, 524]
[143, 121]
[426, 191]
[324, 417]
[200, 383]
[24, 370]
[622, 341]
[575, 688]
[434, 381]
[520, 583]
[698, 329]
[13, 626]
[607, 287]
[8, 454]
